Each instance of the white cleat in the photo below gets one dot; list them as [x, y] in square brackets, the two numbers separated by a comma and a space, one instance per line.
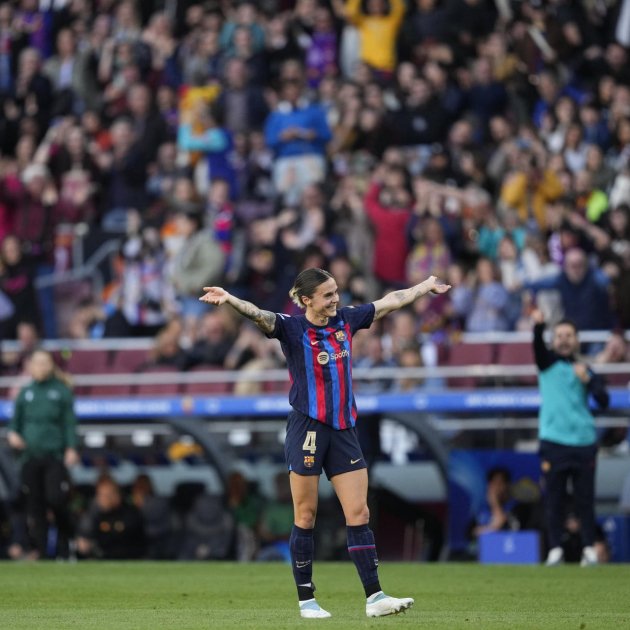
[310, 609]
[589, 557]
[381, 605]
[555, 557]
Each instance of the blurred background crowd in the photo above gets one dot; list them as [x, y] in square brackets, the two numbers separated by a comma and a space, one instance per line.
[235, 143]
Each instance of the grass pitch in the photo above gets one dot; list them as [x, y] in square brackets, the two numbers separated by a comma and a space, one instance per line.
[189, 596]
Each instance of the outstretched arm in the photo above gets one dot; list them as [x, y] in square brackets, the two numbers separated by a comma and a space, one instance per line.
[265, 320]
[399, 299]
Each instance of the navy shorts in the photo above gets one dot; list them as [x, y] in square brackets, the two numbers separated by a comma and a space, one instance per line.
[312, 446]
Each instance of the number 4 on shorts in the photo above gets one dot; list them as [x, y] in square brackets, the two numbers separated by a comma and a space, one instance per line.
[309, 442]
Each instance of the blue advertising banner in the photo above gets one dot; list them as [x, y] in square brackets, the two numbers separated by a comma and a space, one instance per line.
[462, 401]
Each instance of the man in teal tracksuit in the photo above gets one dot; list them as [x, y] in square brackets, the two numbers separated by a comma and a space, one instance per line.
[567, 435]
[43, 429]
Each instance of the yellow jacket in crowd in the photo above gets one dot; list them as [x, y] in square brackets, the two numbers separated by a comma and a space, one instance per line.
[531, 198]
[378, 33]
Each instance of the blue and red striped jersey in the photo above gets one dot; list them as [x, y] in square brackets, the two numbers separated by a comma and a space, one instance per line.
[319, 359]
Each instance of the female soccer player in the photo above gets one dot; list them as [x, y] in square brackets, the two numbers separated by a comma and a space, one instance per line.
[321, 431]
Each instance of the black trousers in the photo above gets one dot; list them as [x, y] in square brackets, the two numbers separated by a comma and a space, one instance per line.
[46, 486]
[561, 464]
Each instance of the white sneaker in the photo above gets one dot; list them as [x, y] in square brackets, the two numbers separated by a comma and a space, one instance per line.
[589, 557]
[381, 605]
[310, 609]
[555, 557]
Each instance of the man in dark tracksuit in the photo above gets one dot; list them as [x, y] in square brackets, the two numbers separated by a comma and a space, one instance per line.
[567, 435]
[43, 428]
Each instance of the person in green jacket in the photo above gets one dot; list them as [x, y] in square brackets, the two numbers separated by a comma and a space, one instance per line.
[43, 430]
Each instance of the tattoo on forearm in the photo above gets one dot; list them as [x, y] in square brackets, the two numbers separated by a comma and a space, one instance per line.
[265, 320]
[397, 299]
[407, 296]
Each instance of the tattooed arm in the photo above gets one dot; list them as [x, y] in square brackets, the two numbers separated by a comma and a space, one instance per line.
[399, 299]
[265, 320]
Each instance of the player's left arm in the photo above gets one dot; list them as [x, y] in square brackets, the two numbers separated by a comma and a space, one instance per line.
[399, 299]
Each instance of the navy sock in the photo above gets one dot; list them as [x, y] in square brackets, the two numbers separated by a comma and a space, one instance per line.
[362, 550]
[302, 551]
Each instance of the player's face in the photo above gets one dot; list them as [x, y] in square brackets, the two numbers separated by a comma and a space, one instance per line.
[565, 340]
[323, 303]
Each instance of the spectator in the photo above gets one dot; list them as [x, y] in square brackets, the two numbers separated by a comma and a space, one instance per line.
[167, 348]
[208, 530]
[297, 132]
[321, 54]
[388, 205]
[124, 176]
[529, 189]
[213, 341]
[583, 291]
[498, 512]
[159, 523]
[374, 358]
[17, 284]
[69, 76]
[111, 529]
[28, 339]
[241, 104]
[145, 296]
[245, 505]
[487, 306]
[276, 522]
[199, 262]
[430, 254]
[378, 28]
[215, 142]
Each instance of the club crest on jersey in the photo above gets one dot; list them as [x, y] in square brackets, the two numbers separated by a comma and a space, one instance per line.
[309, 461]
[323, 358]
[340, 335]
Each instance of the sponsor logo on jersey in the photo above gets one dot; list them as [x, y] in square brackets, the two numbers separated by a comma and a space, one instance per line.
[325, 357]
[340, 355]
[309, 461]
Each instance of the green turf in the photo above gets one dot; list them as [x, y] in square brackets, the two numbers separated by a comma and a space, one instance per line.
[186, 596]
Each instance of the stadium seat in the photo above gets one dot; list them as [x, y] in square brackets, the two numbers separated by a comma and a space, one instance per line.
[516, 354]
[617, 380]
[463, 354]
[206, 387]
[87, 362]
[277, 387]
[153, 389]
[129, 360]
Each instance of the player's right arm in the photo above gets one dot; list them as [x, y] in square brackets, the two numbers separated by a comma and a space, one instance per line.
[265, 320]
[542, 356]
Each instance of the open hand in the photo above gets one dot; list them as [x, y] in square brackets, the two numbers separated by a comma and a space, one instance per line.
[436, 286]
[215, 295]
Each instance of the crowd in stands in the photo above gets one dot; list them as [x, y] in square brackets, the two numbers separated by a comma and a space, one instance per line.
[238, 142]
[114, 522]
